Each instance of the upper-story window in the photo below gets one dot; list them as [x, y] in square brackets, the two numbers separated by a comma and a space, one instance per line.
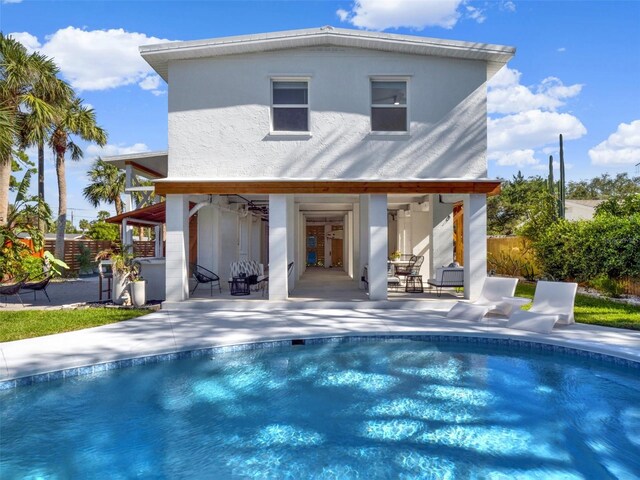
[389, 106]
[290, 106]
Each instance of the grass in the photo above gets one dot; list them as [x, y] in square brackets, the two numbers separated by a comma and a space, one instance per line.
[16, 325]
[597, 311]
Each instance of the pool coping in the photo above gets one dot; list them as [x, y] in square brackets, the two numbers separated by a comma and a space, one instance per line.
[492, 338]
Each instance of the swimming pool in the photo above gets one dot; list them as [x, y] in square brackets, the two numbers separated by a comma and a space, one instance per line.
[390, 408]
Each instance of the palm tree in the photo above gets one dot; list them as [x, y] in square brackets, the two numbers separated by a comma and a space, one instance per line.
[76, 119]
[107, 184]
[35, 131]
[19, 73]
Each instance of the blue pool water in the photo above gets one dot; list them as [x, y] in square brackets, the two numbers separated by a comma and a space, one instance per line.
[386, 409]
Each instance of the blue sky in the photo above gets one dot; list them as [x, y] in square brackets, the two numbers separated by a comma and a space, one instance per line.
[576, 70]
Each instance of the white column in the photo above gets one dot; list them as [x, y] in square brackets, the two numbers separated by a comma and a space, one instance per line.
[355, 242]
[346, 253]
[304, 244]
[127, 230]
[442, 243]
[475, 244]
[378, 240]
[300, 243]
[291, 238]
[364, 234]
[327, 246]
[421, 230]
[177, 281]
[278, 284]
[158, 240]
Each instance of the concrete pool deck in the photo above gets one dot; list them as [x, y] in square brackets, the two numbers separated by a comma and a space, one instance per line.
[183, 330]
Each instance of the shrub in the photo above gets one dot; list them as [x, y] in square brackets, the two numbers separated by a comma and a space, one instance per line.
[85, 260]
[608, 286]
[584, 250]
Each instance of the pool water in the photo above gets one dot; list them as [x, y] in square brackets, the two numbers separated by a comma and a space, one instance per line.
[386, 409]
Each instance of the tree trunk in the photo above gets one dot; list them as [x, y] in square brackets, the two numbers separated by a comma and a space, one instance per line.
[5, 180]
[41, 222]
[62, 206]
[118, 205]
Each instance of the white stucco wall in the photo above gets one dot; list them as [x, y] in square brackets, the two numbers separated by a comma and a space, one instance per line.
[219, 117]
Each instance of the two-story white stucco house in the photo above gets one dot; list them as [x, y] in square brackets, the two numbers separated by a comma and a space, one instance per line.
[369, 138]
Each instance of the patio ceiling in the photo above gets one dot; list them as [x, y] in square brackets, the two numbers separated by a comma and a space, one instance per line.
[143, 217]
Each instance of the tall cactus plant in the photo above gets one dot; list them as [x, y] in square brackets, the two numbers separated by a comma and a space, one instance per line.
[560, 197]
[561, 189]
[551, 186]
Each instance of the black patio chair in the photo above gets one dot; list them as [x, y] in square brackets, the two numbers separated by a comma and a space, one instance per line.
[412, 268]
[37, 286]
[204, 275]
[12, 290]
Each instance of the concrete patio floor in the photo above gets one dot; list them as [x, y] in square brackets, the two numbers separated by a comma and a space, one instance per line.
[181, 330]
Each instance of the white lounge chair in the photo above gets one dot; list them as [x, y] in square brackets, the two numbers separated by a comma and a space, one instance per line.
[552, 303]
[493, 298]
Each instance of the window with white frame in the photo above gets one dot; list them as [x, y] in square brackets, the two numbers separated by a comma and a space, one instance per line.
[389, 106]
[290, 106]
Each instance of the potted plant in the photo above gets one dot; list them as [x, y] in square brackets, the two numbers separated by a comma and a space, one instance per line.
[395, 255]
[137, 286]
[125, 271]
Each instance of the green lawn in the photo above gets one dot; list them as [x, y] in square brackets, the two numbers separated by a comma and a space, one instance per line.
[598, 311]
[16, 324]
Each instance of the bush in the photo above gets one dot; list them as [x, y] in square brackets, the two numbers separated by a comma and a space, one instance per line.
[85, 260]
[608, 286]
[33, 266]
[103, 231]
[585, 250]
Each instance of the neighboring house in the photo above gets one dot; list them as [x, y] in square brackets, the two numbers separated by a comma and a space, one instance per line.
[277, 138]
[580, 209]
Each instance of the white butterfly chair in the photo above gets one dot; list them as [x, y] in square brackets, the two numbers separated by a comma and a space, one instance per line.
[492, 299]
[552, 303]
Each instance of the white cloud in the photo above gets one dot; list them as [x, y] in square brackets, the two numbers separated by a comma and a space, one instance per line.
[562, 49]
[383, 14]
[518, 158]
[476, 14]
[509, 6]
[98, 59]
[152, 83]
[11, 1]
[29, 41]
[110, 150]
[531, 129]
[525, 124]
[621, 148]
[507, 95]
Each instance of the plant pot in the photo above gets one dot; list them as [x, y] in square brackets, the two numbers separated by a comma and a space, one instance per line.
[119, 293]
[138, 293]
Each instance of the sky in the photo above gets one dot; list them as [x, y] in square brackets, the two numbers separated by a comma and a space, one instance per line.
[576, 70]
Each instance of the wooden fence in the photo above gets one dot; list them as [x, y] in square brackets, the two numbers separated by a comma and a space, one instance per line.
[511, 256]
[73, 249]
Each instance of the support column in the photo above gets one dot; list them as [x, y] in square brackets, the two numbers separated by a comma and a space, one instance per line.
[355, 242]
[291, 236]
[378, 247]
[328, 244]
[278, 284]
[158, 240]
[364, 234]
[127, 230]
[475, 244]
[177, 279]
[442, 221]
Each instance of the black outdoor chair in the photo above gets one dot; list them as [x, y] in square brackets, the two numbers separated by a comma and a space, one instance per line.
[12, 290]
[411, 268]
[203, 275]
[39, 285]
